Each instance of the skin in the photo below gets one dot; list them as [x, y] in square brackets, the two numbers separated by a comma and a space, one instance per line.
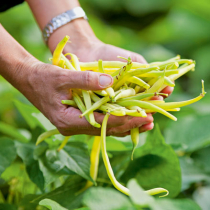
[45, 85]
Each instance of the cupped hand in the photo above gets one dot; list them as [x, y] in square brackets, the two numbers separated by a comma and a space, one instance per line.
[47, 85]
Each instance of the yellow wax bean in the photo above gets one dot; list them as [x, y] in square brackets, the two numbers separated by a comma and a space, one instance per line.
[80, 104]
[96, 105]
[69, 102]
[156, 101]
[168, 110]
[58, 51]
[147, 105]
[138, 109]
[61, 63]
[156, 86]
[109, 170]
[101, 92]
[75, 61]
[183, 70]
[105, 157]
[135, 72]
[67, 63]
[137, 88]
[125, 93]
[87, 100]
[63, 144]
[100, 66]
[168, 82]
[135, 139]
[139, 82]
[160, 73]
[109, 64]
[141, 96]
[46, 135]
[172, 105]
[111, 93]
[94, 160]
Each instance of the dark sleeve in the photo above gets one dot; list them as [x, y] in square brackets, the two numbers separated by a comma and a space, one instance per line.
[6, 4]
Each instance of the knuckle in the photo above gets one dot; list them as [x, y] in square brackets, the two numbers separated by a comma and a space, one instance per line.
[87, 78]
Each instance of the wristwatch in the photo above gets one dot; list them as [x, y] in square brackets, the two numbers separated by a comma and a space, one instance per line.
[61, 20]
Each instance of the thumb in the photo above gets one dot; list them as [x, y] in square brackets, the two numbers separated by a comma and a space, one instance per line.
[88, 80]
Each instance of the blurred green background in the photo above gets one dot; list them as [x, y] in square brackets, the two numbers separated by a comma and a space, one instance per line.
[157, 29]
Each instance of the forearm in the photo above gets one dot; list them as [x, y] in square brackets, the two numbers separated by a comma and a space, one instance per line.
[79, 30]
[13, 59]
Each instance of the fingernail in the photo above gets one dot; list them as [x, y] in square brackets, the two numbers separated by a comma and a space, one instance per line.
[105, 81]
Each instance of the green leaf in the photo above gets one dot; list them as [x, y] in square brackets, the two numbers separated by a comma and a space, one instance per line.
[201, 159]
[25, 151]
[48, 174]
[26, 203]
[4, 206]
[26, 111]
[68, 194]
[7, 153]
[33, 116]
[52, 205]
[191, 173]
[76, 158]
[138, 196]
[155, 165]
[193, 135]
[105, 198]
[12, 132]
[174, 204]
[201, 196]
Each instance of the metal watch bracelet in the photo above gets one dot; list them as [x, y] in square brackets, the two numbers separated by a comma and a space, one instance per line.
[61, 20]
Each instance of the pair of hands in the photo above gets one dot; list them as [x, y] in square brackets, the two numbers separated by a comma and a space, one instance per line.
[50, 84]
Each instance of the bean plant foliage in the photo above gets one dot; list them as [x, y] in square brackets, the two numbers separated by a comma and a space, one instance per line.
[54, 180]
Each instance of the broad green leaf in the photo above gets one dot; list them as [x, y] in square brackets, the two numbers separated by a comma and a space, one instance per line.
[201, 196]
[12, 132]
[49, 175]
[191, 173]
[7, 153]
[17, 173]
[50, 204]
[155, 165]
[201, 159]
[119, 163]
[174, 204]
[33, 116]
[68, 195]
[76, 158]
[25, 151]
[46, 124]
[106, 198]
[138, 196]
[26, 203]
[4, 206]
[194, 133]
[26, 111]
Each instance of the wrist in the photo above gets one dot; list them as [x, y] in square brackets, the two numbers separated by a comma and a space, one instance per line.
[80, 32]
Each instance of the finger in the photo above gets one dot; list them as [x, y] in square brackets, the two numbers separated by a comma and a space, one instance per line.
[138, 58]
[113, 121]
[133, 123]
[157, 98]
[86, 80]
[168, 90]
[146, 127]
[71, 123]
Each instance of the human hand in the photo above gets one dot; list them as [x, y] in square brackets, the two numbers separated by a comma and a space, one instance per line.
[47, 85]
